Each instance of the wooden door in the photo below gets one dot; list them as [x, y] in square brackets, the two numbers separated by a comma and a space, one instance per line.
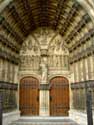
[29, 96]
[59, 96]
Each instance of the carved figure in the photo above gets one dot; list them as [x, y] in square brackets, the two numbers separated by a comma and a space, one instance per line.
[43, 66]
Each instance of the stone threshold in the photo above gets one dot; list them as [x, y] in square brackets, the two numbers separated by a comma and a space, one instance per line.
[44, 121]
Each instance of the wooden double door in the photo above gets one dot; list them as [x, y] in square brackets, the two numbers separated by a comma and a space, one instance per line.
[29, 96]
[59, 96]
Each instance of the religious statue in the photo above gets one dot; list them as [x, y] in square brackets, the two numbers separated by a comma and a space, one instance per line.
[43, 66]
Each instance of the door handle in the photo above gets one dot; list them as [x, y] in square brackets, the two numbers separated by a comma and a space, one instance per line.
[50, 98]
[37, 98]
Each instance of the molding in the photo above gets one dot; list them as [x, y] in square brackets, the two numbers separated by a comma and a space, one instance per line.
[8, 86]
[44, 87]
[4, 4]
[64, 74]
[87, 7]
[27, 74]
[82, 85]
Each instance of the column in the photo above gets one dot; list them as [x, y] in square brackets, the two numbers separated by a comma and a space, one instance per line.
[44, 93]
[74, 72]
[91, 67]
[6, 72]
[78, 71]
[16, 74]
[84, 69]
[1, 69]
[44, 103]
[82, 74]
[86, 64]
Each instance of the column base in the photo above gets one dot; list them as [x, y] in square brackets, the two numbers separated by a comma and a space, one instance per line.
[44, 112]
[10, 117]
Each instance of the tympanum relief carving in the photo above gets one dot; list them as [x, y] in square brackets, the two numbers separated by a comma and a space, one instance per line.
[58, 54]
[31, 56]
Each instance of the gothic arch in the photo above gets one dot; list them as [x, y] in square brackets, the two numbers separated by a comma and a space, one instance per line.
[30, 75]
[59, 75]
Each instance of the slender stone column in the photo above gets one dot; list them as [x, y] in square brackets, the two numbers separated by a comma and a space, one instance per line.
[84, 69]
[44, 93]
[77, 69]
[1, 69]
[86, 62]
[89, 67]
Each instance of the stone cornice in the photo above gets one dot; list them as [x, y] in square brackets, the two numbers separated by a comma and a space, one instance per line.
[7, 85]
[83, 84]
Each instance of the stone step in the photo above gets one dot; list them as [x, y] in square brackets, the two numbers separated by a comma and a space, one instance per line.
[44, 121]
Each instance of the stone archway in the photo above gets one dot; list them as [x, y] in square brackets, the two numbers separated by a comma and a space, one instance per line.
[29, 96]
[59, 96]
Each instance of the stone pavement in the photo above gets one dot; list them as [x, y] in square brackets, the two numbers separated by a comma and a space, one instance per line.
[44, 121]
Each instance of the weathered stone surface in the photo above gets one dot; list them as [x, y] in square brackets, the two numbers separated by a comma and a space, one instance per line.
[43, 121]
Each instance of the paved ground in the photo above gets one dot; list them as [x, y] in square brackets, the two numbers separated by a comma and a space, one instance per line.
[43, 121]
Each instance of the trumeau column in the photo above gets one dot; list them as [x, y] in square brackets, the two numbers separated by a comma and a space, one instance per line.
[44, 93]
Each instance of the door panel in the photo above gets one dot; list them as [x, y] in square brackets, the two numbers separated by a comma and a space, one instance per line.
[29, 96]
[59, 96]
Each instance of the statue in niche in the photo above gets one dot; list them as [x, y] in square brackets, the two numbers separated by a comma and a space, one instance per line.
[43, 66]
